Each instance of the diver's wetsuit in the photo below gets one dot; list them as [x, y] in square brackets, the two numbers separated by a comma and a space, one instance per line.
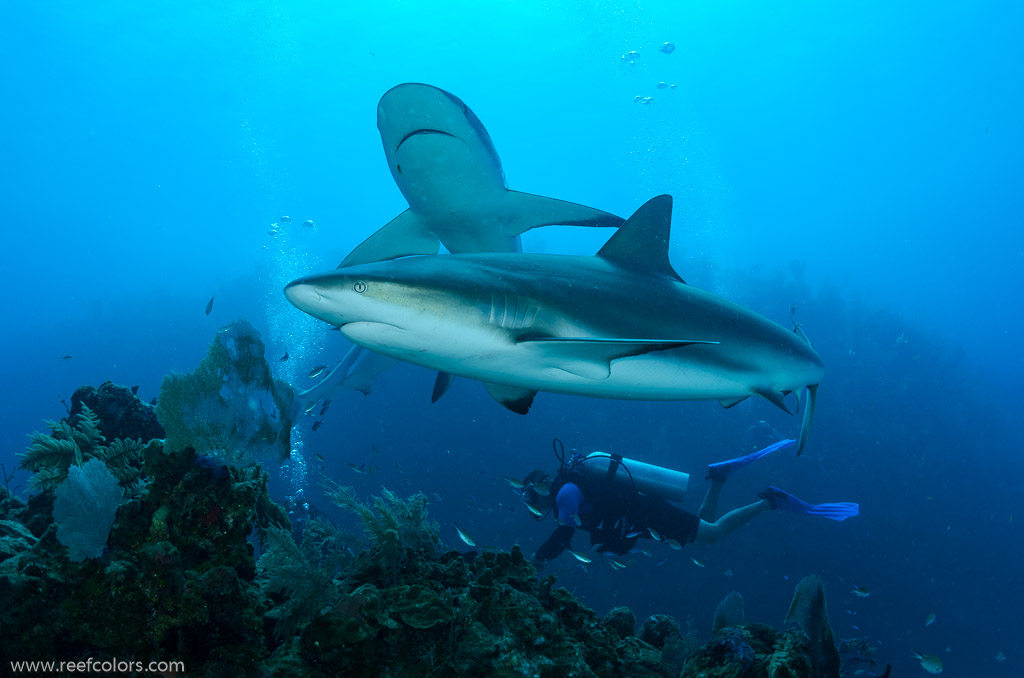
[610, 512]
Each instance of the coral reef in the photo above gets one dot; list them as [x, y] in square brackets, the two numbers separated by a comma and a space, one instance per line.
[178, 566]
[120, 412]
[740, 650]
[179, 580]
[230, 406]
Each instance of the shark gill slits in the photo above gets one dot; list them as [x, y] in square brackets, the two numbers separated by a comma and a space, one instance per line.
[359, 286]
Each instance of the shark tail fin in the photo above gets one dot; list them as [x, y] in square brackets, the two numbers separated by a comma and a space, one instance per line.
[805, 425]
[403, 236]
[525, 211]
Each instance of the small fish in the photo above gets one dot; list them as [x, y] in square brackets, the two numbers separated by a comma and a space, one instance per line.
[633, 534]
[284, 357]
[319, 457]
[67, 357]
[616, 564]
[224, 330]
[1000, 657]
[929, 662]
[323, 410]
[358, 468]
[374, 450]
[272, 231]
[929, 620]
[542, 489]
[436, 496]
[516, 484]
[317, 424]
[654, 534]
[371, 469]
[209, 304]
[643, 552]
[317, 371]
[727, 573]
[284, 219]
[696, 562]
[308, 223]
[861, 591]
[311, 406]
[534, 510]
[582, 557]
[464, 536]
[667, 48]
[674, 545]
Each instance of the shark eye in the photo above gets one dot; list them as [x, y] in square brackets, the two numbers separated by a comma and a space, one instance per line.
[359, 286]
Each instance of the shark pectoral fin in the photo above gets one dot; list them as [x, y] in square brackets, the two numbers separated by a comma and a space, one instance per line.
[403, 236]
[513, 398]
[730, 402]
[805, 425]
[524, 211]
[441, 384]
[591, 357]
[774, 397]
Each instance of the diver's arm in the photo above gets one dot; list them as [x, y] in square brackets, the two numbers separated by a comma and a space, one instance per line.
[567, 509]
[556, 543]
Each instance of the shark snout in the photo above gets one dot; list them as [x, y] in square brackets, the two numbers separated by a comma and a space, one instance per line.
[304, 295]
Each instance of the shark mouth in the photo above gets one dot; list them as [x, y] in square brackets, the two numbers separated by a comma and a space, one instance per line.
[421, 131]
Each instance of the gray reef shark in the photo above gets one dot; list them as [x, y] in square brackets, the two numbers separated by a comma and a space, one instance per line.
[621, 324]
[446, 166]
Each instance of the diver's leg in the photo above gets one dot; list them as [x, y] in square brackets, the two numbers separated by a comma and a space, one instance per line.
[709, 506]
[713, 532]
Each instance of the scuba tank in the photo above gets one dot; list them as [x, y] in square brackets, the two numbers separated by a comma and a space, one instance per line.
[629, 473]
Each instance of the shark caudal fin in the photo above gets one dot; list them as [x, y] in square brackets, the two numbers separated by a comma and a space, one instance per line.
[403, 236]
[523, 211]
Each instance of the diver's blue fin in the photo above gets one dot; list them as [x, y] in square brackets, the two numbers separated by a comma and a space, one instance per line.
[723, 469]
[780, 499]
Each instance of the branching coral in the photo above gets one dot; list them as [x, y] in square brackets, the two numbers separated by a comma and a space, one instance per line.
[303, 575]
[396, 528]
[50, 456]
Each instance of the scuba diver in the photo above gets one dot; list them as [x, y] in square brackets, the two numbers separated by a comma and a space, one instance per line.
[621, 500]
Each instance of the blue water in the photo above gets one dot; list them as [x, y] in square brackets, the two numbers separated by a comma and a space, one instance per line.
[859, 161]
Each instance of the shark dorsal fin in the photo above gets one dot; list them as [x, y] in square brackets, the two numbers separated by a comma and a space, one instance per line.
[642, 242]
